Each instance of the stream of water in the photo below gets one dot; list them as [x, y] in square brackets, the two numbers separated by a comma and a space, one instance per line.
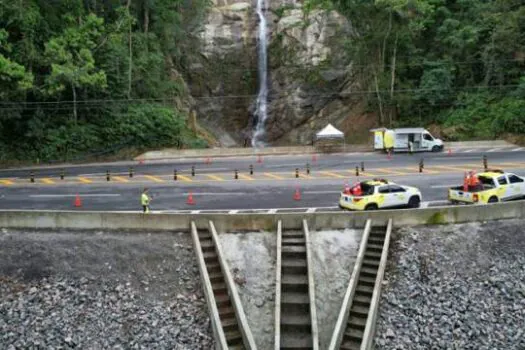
[262, 97]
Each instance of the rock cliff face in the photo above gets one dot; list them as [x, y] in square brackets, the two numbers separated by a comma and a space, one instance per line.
[310, 78]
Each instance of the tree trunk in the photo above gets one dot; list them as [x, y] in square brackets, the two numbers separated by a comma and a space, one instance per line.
[379, 102]
[392, 81]
[130, 68]
[146, 18]
[75, 117]
[385, 39]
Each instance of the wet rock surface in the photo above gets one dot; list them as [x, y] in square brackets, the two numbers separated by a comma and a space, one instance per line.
[94, 290]
[455, 287]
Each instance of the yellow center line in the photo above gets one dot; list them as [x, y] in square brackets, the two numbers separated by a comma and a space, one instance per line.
[153, 178]
[245, 177]
[184, 178]
[390, 171]
[446, 167]
[362, 173]
[517, 165]
[425, 170]
[48, 181]
[215, 177]
[277, 177]
[304, 176]
[84, 180]
[329, 173]
[120, 179]
[6, 182]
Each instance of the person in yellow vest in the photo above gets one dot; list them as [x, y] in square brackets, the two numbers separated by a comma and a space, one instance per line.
[144, 200]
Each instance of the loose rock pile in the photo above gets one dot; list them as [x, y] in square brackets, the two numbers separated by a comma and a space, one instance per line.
[455, 287]
[86, 313]
[100, 291]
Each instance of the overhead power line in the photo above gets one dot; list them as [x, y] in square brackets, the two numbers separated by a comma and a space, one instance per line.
[105, 102]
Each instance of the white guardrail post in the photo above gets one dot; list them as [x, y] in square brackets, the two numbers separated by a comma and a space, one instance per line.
[342, 319]
[368, 335]
[311, 287]
[246, 333]
[277, 324]
[218, 332]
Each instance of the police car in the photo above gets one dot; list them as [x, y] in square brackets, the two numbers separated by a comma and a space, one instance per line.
[379, 194]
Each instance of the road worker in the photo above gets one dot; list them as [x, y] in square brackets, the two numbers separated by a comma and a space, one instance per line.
[357, 190]
[474, 180]
[347, 189]
[144, 200]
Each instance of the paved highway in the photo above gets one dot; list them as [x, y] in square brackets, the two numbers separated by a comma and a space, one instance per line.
[271, 187]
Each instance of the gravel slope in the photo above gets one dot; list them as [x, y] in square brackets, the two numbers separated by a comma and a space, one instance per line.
[94, 290]
[455, 287]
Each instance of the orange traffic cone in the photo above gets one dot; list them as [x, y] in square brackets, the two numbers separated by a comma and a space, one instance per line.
[314, 158]
[259, 159]
[297, 195]
[208, 160]
[190, 200]
[78, 201]
[389, 156]
[141, 161]
[449, 151]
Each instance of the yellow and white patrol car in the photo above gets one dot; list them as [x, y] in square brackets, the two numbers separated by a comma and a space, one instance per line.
[493, 186]
[378, 194]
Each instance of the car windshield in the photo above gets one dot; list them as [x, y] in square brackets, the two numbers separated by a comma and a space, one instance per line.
[486, 181]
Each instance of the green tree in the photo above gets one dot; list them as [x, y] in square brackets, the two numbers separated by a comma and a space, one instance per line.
[71, 59]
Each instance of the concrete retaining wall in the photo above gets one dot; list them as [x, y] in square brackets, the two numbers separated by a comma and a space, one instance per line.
[170, 153]
[255, 222]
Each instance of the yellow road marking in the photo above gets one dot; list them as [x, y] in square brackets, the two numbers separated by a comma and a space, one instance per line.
[184, 178]
[215, 177]
[153, 178]
[425, 170]
[84, 180]
[332, 174]
[6, 182]
[517, 165]
[120, 179]
[453, 168]
[274, 176]
[304, 176]
[245, 177]
[390, 172]
[362, 173]
[48, 181]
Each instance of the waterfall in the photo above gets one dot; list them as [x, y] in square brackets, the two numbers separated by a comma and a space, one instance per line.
[262, 97]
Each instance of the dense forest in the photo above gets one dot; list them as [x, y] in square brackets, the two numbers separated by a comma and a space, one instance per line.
[83, 77]
[457, 64]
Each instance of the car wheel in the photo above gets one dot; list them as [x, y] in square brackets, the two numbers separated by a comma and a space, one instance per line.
[436, 149]
[414, 202]
[493, 199]
[371, 207]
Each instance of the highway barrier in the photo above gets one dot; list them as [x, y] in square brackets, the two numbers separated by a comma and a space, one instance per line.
[255, 221]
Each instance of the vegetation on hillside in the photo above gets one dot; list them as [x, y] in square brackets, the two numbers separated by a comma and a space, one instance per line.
[82, 76]
[456, 63]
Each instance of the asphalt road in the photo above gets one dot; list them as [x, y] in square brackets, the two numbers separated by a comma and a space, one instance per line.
[271, 187]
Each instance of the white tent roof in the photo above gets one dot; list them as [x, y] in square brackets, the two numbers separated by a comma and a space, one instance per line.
[330, 131]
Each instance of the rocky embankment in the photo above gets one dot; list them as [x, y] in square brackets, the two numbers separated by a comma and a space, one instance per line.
[100, 291]
[455, 287]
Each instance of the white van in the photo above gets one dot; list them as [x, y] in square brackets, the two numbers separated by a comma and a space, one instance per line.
[403, 139]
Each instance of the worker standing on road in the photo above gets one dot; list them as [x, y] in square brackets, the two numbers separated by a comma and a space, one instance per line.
[144, 200]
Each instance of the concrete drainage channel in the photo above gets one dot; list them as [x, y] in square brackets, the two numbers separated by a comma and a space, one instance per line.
[295, 314]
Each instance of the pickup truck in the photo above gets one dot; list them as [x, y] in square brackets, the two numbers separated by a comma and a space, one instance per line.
[494, 186]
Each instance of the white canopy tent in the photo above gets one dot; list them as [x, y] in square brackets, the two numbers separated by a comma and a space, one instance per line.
[330, 132]
[329, 138]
